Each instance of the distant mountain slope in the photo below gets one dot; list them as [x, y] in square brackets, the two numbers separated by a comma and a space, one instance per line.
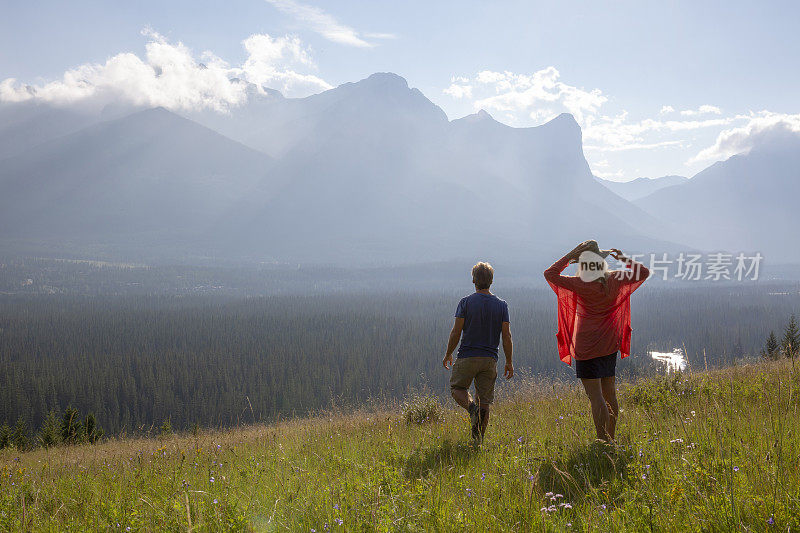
[381, 174]
[151, 177]
[641, 187]
[368, 172]
[746, 203]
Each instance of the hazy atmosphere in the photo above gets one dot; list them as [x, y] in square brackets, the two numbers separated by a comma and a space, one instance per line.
[261, 261]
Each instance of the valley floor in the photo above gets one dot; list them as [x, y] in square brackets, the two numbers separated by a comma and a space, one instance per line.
[712, 452]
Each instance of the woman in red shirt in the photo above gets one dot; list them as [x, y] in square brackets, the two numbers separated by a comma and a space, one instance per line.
[594, 317]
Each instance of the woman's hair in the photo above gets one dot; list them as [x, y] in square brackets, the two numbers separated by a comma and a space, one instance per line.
[482, 275]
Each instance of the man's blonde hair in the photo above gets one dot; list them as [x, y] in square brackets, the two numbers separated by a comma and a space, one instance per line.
[482, 275]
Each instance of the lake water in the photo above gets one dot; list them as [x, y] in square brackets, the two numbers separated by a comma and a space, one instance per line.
[674, 360]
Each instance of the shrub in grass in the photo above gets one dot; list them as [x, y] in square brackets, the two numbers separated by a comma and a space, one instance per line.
[421, 409]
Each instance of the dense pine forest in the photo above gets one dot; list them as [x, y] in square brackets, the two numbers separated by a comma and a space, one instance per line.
[138, 363]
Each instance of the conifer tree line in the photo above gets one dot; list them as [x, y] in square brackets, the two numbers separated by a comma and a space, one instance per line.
[134, 364]
[57, 428]
[788, 346]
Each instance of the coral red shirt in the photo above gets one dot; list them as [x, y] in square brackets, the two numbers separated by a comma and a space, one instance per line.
[594, 319]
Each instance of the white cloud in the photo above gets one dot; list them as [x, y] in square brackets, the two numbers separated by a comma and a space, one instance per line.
[632, 146]
[459, 88]
[324, 23]
[666, 110]
[267, 61]
[760, 128]
[170, 76]
[534, 96]
[702, 110]
[610, 175]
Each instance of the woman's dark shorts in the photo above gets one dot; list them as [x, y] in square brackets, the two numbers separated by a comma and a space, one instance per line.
[599, 367]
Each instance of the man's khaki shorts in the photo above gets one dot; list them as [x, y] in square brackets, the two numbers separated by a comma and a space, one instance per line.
[481, 369]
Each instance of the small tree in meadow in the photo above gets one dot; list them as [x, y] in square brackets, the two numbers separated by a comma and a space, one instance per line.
[50, 433]
[72, 431]
[93, 431]
[19, 435]
[791, 338]
[5, 436]
[772, 348]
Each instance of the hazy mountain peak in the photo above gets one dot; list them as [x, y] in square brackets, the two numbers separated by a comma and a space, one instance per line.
[389, 79]
[565, 121]
[476, 118]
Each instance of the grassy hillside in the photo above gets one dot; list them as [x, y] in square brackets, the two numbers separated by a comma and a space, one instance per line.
[713, 452]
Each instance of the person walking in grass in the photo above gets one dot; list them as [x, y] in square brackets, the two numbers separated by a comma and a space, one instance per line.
[594, 317]
[481, 321]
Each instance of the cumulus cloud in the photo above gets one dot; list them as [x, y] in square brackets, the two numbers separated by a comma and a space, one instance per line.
[324, 24]
[666, 110]
[459, 88]
[535, 96]
[169, 75]
[702, 110]
[762, 128]
[267, 61]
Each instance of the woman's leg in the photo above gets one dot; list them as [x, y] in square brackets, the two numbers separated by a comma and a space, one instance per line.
[599, 408]
[608, 386]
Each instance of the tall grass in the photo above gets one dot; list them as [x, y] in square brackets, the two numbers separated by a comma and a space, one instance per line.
[713, 451]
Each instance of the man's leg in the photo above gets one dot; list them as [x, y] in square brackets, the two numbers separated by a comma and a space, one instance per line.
[461, 396]
[608, 386]
[460, 380]
[599, 408]
[484, 389]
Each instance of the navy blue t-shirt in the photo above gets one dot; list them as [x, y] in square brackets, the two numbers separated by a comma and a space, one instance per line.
[483, 316]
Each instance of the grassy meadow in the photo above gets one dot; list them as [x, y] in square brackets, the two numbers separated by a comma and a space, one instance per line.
[716, 451]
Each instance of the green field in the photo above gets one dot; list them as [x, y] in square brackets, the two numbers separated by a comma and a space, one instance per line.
[715, 451]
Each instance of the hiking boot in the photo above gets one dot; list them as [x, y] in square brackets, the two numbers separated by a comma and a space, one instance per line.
[475, 421]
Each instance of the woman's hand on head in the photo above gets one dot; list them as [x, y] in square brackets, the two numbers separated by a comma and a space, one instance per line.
[617, 254]
[576, 252]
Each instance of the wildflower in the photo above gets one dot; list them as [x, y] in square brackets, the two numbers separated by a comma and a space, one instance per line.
[483, 476]
[559, 496]
[336, 506]
[462, 475]
[548, 495]
[676, 441]
[735, 468]
[519, 440]
[568, 506]
[212, 479]
[339, 521]
[771, 521]
[215, 501]
[469, 492]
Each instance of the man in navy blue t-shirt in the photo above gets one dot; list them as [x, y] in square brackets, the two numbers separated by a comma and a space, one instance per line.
[483, 319]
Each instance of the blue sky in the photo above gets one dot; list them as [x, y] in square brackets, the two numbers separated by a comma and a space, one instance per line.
[659, 88]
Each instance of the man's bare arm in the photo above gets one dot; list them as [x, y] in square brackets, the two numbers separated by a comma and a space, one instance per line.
[452, 342]
[508, 349]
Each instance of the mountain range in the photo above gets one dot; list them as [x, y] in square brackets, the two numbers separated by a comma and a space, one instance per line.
[370, 172]
[640, 187]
